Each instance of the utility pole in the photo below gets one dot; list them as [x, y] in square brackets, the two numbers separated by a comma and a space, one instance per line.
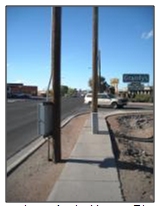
[56, 67]
[95, 71]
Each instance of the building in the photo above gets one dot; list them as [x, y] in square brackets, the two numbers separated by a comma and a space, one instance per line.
[130, 93]
[16, 88]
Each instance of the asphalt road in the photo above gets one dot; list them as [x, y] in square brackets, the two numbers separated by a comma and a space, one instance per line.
[21, 120]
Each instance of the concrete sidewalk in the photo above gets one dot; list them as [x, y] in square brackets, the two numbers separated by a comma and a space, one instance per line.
[90, 173]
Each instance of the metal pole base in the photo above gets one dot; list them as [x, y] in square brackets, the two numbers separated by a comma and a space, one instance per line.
[94, 122]
[50, 149]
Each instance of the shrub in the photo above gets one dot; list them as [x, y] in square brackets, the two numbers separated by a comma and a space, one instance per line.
[143, 98]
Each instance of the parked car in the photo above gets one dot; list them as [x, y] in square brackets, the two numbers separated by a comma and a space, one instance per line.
[24, 96]
[105, 99]
[20, 96]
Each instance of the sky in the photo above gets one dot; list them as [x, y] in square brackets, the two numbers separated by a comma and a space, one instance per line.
[125, 39]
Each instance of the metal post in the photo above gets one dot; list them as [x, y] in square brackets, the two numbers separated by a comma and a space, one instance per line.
[48, 87]
[56, 64]
[95, 71]
[99, 67]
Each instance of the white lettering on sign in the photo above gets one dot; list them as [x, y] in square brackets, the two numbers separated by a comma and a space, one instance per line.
[135, 77]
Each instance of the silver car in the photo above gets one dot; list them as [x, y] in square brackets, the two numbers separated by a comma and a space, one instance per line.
[105, 99]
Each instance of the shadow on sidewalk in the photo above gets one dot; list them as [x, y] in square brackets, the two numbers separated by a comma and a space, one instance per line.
[110, 163]
[103, 132]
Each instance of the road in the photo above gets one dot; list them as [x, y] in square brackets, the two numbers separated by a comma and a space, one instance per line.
[21, 120]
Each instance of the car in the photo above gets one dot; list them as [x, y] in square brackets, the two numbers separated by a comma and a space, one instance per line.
[105, 99]
[20, 96]
[24, 96]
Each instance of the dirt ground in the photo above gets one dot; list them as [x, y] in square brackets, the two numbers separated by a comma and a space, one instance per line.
[33, 180]
[133, 144]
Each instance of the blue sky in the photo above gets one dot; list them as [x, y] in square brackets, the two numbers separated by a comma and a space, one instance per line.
[125, 41]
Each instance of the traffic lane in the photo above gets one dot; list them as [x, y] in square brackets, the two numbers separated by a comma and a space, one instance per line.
[21, 121]
[71, 105]
[19, 137]
[18, 111]
[21, 125]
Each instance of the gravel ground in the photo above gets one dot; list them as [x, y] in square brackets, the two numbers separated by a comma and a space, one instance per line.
[133, 143]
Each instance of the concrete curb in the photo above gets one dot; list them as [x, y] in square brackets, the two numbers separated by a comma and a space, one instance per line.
[22, 155]
[67, 120]
[128, 112]
[141, 103]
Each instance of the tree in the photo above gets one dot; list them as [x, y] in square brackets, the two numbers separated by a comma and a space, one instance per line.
[111, 90]
[102, 84]
[64, 90]
[71, 91]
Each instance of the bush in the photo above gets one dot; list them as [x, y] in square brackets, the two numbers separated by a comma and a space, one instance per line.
[143, 98]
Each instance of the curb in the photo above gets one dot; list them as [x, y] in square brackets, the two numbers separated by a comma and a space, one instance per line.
[128, 112]
[21, 156]
[67, 120]
[141, 103]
